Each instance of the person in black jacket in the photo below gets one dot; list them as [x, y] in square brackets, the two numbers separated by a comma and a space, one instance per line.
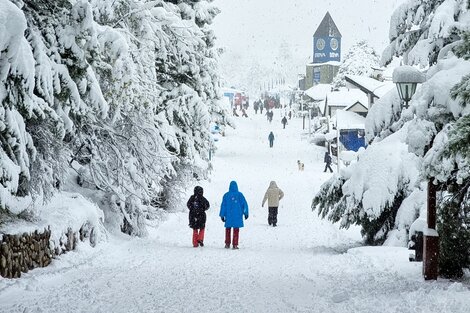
[284, 122]
[327, 160]
[198, 205]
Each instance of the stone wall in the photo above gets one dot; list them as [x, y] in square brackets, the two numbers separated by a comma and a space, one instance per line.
[21, 253]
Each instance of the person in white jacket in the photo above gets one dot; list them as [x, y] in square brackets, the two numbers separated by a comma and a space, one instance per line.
[273, 195]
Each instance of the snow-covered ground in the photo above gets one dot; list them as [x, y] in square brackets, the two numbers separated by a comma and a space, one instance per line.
[304, 265]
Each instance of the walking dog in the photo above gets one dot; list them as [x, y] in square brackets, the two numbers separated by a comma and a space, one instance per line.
[300, 165]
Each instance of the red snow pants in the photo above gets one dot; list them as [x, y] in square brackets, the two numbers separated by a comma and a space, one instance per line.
[198, 235]
[235, 236]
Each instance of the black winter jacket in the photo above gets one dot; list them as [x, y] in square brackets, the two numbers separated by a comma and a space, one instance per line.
[197, 206]
[327, 158]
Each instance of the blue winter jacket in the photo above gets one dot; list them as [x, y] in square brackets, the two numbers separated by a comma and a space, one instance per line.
[233, 207]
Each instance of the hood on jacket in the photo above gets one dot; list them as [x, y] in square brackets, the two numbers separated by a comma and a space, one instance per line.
[272, 184]
[233, 186]
[198, 191]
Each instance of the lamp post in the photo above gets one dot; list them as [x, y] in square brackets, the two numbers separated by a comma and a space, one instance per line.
[407, 78]
[302, 109]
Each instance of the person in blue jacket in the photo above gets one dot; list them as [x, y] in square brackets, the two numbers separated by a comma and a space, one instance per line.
[271, 139]
[232, 210]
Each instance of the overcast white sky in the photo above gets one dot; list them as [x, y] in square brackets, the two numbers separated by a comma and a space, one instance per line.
[255, 28]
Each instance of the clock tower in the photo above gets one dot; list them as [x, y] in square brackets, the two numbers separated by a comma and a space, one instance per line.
[327, 41]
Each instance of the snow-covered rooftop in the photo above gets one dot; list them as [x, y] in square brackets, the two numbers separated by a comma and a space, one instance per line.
[230, 90]
[318, 92]
[378, 88]
[340, 98]
[335, 63]
[349, 120]
[353, 104]
[345, 97]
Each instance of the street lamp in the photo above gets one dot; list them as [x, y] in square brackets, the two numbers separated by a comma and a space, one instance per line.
[407, 78]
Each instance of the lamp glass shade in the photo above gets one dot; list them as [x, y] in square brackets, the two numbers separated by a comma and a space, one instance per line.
[406, 90]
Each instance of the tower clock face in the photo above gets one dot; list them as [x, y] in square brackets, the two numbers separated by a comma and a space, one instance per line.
[334, 44]
[320, 44]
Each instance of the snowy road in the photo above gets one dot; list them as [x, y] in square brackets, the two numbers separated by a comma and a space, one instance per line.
[303, 265]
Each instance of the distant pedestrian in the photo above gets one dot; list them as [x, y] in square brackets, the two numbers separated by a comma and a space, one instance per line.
[255, 106]
[271, 139]
[273, 195]
[232, 210]
[327, 160]
[198, 205]
[290, 114]
[284, 122]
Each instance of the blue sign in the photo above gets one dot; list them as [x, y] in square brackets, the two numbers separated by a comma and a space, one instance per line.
[316, 75]
[352, 139]
[326, 49]
[229, 95]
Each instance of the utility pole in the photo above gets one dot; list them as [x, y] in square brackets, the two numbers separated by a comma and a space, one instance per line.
[309, 122]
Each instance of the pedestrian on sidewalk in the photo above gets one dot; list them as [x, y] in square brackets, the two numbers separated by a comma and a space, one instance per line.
[271, 139]
[232, 210]
[273, 195]
[198, 205]
[284, 122]
[327, 160]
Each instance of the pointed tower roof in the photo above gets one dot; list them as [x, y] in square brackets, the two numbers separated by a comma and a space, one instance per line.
[327, 28]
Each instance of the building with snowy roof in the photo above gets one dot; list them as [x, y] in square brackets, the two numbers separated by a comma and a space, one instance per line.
[328, 101]
[326, 53]
[373, 88]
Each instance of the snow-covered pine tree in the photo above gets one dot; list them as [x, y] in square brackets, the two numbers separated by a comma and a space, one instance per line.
[176, 90]
[420, 31]
[359, 61]
[450, 163]
[32, 159]
[121, 90]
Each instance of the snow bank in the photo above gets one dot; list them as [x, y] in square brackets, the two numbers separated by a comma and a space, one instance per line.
[65, 210]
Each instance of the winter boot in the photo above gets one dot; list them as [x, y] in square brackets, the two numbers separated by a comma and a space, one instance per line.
[235, 247]
[201, 244]
[227, 246]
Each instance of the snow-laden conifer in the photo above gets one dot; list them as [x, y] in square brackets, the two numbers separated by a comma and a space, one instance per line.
[359, 61]
[431, 133]
[121, 91]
